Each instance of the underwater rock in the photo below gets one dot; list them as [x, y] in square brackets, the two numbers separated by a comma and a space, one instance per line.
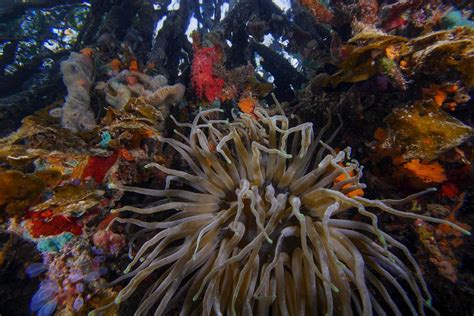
[18, 191]
[431, 251]
[421, 134]
[370, 53]
[70, 199]
[440, 52]
[373, 52]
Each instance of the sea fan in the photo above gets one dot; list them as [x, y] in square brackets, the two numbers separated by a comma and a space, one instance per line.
[261, 227]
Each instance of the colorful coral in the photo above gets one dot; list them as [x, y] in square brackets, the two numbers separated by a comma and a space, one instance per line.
[206, 83]
[427, 172]
[97, 167]
[440, 242]
[248, 105]
[109, 242]
[154, 90]
[240, 210]
[45, 223]
[73, 279]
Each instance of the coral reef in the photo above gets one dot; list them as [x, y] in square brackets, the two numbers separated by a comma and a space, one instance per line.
[58, 205]
[242, 210]
[72, 278]
[262, 224]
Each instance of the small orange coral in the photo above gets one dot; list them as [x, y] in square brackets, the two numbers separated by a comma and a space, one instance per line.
[440, 94]
[380, 134]
[427, 172]
[133, 65]
[247, 105]
[115, 64]
[453, 88]
[440, 97]
[393, 51]
[404, 65]
[87, 51]
[125, 154]
[449, 190]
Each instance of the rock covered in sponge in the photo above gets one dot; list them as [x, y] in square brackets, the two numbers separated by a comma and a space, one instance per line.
[423, 134]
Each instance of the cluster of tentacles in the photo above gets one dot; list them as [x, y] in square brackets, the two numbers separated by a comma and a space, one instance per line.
[260, 227]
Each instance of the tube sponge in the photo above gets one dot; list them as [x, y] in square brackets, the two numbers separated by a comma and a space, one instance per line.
[154, 90]
[171, 94]
[76, 112]
[119, 90]
[121, 97]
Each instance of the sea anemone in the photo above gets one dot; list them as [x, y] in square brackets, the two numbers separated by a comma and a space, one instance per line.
[261, 226]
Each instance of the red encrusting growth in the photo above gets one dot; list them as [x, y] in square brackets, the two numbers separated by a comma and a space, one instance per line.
[106, 221]
[449, 190]
[45, 224]
[320, 12]
[205, 82]
[97, 167]
[368, 11]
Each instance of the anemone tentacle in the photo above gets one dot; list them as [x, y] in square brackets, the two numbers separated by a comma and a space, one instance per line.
[260, 228]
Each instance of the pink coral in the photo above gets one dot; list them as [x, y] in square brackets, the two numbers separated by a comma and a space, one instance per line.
[110, 242]
[205, 82]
